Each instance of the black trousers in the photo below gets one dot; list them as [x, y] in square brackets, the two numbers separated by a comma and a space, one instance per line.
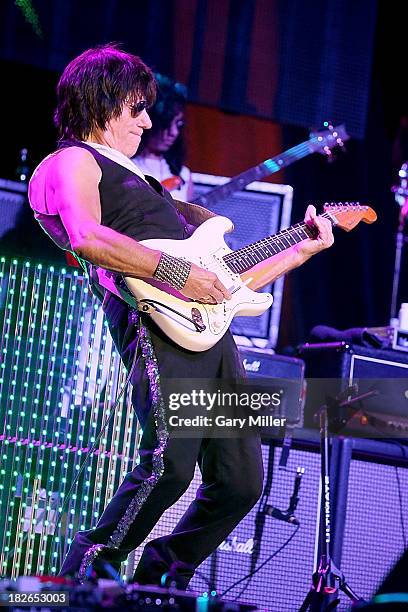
[231, 468]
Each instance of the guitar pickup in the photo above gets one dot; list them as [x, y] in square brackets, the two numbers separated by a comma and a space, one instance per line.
[246, 282]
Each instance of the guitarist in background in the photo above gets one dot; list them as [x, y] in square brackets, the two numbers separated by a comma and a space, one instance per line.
[162, 151]
[94, 201]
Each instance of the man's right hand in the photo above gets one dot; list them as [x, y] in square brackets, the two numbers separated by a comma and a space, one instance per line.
[204, 286]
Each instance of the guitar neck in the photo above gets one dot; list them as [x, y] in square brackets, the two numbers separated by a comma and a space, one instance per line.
[247, 257]
[257, 173]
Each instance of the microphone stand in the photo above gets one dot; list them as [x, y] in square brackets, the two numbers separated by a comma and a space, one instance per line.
[328, 579]
[401, 197]
[287, 515]
[397, 269]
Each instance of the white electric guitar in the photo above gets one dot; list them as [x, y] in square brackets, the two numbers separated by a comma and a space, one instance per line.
[196, 326]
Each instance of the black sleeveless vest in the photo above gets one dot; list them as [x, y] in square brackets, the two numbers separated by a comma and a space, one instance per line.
[143, 211]
[131, 206]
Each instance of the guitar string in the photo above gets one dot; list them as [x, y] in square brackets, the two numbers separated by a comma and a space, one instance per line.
[215, 268]
[287, 237]
[272, 245]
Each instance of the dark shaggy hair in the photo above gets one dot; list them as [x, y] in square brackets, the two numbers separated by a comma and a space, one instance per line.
[94, 87]
[171, 100]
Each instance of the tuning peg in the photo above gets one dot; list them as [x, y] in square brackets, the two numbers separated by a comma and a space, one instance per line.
[339, 139]
[329, 154]
[403, 172]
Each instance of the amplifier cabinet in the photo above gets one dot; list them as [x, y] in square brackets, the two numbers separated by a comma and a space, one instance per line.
[284, 374]
[283, 582]
[368, 497]
[342, 360]
[373, 507]
[332, 367]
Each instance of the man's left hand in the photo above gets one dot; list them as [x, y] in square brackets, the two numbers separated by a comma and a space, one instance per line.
[324, 239]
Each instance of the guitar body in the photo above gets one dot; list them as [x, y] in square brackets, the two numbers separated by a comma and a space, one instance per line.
[196, 326]
[192, 325]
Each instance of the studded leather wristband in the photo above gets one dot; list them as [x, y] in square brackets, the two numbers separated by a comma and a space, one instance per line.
[172, 270]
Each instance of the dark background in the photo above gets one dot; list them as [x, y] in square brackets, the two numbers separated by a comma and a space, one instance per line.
[260, 73]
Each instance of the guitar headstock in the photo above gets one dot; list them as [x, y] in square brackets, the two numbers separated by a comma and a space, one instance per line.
[401, 190]
[348, 215]
[324, 141]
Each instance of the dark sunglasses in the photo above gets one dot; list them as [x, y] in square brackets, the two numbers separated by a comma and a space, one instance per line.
[137, 108]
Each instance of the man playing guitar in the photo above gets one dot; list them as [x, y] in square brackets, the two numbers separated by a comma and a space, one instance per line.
[94, 201]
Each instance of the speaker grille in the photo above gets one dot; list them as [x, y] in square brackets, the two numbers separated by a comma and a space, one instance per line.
[284, 581]
[373, 538]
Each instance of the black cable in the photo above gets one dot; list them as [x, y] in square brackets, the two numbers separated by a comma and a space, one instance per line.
[260, 518]
[204, 578]
[98, 437]
[274, 554]
[207, 580]
[248, 577]
[261, 505]
[244, 588]
[153, 303]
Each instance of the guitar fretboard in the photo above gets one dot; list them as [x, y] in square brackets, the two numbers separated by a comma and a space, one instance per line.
[247, 257]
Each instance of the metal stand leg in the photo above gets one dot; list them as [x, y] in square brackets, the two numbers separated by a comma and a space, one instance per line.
[328, 579]
[397, 271]
[401, 197]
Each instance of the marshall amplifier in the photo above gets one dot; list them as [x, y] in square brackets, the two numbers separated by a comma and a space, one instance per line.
[332, 367]
[281, 584]
[281, 375]
[282, 555]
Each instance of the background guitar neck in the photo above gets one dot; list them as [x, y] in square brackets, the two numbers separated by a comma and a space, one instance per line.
[257, 173]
